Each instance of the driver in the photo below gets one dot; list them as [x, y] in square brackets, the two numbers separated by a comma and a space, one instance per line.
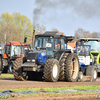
[83, 51]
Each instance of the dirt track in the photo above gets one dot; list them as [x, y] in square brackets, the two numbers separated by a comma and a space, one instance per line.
[9, 83]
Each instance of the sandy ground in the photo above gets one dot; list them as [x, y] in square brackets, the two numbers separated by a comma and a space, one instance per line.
[11, 83]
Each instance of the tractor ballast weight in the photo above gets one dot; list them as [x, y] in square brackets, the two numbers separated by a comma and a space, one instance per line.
[51, 60]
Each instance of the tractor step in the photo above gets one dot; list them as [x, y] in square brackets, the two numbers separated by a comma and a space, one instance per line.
[87, 78]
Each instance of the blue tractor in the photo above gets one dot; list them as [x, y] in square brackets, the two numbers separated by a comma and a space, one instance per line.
[88, 51]
[87, 68]
[50, 60]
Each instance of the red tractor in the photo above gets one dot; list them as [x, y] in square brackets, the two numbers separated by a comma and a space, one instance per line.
[12, 51]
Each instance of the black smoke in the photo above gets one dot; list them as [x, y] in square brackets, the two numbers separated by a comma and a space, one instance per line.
[83, 8]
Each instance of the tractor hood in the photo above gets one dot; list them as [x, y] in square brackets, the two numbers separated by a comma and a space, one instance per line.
[37, 57]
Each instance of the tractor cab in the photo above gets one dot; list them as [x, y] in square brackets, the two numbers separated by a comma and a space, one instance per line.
[95, 48]
[43, 43]
[50, 45]
[83, 52]
[1, 49]
[94, 51]
[14, 50]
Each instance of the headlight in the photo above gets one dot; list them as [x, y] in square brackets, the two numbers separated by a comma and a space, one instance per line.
[43, 53]
[28, 60]
[33, 60]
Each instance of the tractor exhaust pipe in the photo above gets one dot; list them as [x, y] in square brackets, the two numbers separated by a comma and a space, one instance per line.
[33, 38]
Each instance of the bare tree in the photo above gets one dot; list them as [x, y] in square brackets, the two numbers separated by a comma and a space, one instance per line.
[41, 29]
[82, 33]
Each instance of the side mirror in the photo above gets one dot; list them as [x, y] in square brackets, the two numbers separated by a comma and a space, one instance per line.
[37, 48]
[54, 50]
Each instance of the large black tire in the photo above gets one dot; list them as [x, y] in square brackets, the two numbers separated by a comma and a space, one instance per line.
[92, 71]
[62, 67]
[72, 67]
[1, 63]
[4, 66]
[17, 70]
[51, 70]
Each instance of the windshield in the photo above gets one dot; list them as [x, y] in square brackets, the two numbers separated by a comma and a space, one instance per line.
[44, 43]
[7, 49]
[1, 51]
[95, 46]
[83, 50]
[17, 50]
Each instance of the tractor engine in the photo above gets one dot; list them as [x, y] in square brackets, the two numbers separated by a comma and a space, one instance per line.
[35, 60]
[37, 57]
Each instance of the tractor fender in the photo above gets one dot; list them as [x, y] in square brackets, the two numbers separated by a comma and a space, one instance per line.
[4, 56]
[61, 56]
[67, 51]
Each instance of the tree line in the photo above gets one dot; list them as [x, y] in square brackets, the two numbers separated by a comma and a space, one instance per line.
[15, 27]
[81, 33]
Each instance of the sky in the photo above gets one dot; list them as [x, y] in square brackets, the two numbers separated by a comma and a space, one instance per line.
[64, 15]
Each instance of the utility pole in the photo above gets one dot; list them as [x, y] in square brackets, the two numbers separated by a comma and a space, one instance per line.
[33, 39]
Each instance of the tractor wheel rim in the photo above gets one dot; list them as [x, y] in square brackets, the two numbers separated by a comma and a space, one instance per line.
[55, 71]
[24, 74]
[74, 68]
[11, 68]
[81, 77]
[95, 74]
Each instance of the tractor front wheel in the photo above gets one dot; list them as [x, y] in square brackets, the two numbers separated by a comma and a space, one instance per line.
[17, 70]
[51, 70]
[92, 71]
[80, 76]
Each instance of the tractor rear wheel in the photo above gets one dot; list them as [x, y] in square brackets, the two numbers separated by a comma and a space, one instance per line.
[51, 70]
[72, 67]
[92, 71]
[17, 70]
[62, 67]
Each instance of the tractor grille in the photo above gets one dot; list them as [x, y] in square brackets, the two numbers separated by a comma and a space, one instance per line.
[31, 56]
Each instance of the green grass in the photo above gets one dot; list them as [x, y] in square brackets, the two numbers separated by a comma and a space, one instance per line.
[75, 87]
[55, 89]
[7, 75]
[23, 89]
